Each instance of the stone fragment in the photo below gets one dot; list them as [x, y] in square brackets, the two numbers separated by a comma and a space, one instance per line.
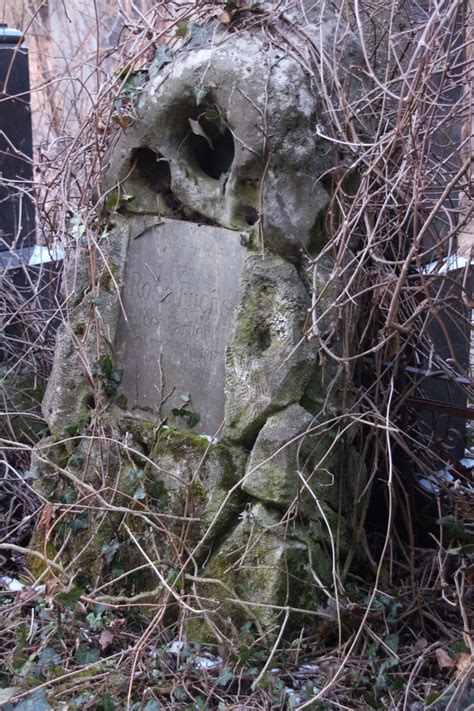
[194, 477]
[277, 455]
[268, 362]
[261, 565]
[314, 471]
[83, 476]
[88, 332]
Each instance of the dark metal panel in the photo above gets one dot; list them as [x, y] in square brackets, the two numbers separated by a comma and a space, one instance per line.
[17, 211]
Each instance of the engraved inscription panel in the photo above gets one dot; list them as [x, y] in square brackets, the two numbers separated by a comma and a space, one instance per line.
[180, 293]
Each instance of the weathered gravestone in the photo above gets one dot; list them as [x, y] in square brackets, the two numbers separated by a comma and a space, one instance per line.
[180, 293]
[211, 319]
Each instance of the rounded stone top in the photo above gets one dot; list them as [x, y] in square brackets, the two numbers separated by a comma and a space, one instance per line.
[230, 127]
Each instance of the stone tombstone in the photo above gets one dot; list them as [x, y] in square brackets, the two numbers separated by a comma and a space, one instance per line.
[218, 186]
[179, 297]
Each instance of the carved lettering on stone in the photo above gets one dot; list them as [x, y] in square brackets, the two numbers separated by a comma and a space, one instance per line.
[180, 293]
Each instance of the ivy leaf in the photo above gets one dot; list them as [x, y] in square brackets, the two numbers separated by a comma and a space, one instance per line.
[158, 492]
[69, 599]
[182, 29]
[95, 621]
[454, 528]
[36, 701]
[225, 676]
[80, 523]
[140, 493]
[200, 93]
[152, 705]
[193, 418]
[105, 363]
[163, 56]
[49, 657]
[116, 376]
[109, 551]
[135, 83]
[108, 704]
[84, 655]
[198, 35]
[392, 642]
[216, 117]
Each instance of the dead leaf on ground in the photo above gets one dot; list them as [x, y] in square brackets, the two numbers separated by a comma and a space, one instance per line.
[443, 659]
[225, 18]
[105, 640]
[463, 661]
[421, 644]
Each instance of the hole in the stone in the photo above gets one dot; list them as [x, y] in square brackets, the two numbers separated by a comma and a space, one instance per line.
[215, 154]
[151, 168]
[328, 183]
[261, 338]
[250, 215]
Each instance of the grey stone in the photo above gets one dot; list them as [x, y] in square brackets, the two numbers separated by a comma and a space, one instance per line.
[89, 330]
[194, 478]
[277, 456]
[295, 462]
[230, 131]
[261, 565]
[328, 394]
[269, 363]
[180, 293]
[260, 159]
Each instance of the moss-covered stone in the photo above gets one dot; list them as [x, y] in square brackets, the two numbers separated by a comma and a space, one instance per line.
[261, 567]
[268, 361]
[194, 477]
[143, 431]
[89, 331]
[92, 484]
[257, 113]
[277, 456]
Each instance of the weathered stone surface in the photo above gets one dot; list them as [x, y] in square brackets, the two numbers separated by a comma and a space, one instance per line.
[261, 563]
[327, 393]
[194, 477]
[257, 106]
[88, 332]
[295, 462]
[179, 297]
[277, 455]
[269, 363]
[72, 471]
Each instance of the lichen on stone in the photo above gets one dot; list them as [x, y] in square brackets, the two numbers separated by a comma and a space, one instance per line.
[269, 362]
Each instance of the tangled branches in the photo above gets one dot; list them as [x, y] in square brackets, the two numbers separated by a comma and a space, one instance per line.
[396, 124]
